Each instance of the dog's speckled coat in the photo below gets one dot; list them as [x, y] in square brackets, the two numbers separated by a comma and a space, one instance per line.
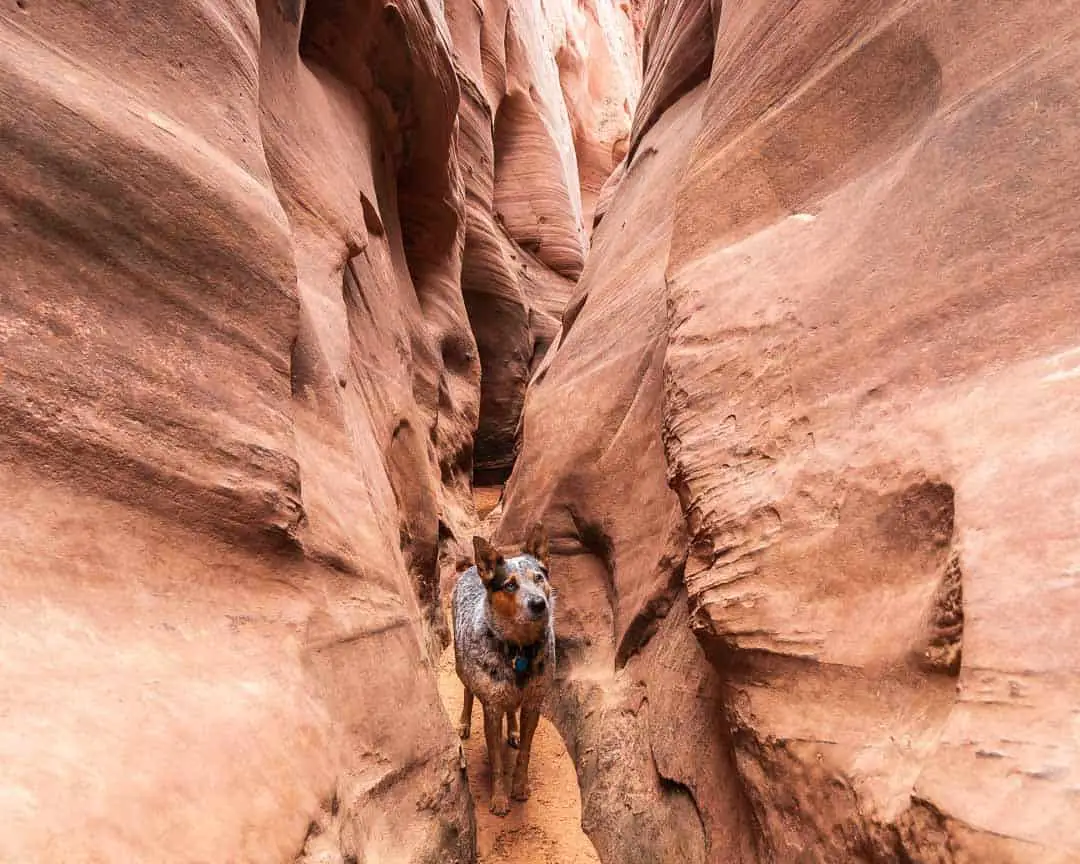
[500, 605]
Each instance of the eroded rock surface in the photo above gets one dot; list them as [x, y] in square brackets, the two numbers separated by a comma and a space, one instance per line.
[650, 755]
[276, 276]
[547, 93]
[226, 396]
[832, 303]
[238, 397]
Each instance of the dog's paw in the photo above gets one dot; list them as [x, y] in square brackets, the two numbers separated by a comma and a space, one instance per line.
[521, 792]
[513, 739]
[464, 730]
[500, 805]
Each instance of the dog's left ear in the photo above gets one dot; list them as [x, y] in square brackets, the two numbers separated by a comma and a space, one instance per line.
[537, 543]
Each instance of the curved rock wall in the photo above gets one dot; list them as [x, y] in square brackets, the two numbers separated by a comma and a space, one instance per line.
[276, 276]
[242, 244]
[814, 403]
[541, 85]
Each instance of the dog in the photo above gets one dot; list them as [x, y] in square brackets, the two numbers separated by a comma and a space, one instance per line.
[504, 648]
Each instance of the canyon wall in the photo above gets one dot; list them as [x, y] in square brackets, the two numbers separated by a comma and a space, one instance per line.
[546, 98]
[799, 334]
[257, 257]
[806, 442]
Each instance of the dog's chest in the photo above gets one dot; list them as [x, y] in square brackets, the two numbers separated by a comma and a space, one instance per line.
[520, 668]
[485, 663]
[500, 683]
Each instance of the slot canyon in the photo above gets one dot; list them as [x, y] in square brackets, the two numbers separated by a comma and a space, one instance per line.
[768, 310]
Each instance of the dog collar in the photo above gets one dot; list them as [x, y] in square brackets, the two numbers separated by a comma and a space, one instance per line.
[525, 660]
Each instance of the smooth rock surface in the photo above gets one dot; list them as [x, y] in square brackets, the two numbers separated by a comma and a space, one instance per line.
[655, 788]
[547, 93]
[833, 297]
[239, 388]
[220, 503]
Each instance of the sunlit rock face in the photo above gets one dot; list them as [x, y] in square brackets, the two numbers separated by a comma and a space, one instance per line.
[254, 261]
[814, 404]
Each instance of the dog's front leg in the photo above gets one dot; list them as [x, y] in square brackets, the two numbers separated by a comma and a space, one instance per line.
[500, 805]
[530, 716]
[465, 725]
[512, 728]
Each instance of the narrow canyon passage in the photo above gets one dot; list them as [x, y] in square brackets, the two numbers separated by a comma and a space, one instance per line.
[547, 827]
[767, 310]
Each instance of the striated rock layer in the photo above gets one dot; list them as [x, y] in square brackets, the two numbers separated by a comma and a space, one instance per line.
[547, 92]
[230, 380]
[814, 404]
[244, 257]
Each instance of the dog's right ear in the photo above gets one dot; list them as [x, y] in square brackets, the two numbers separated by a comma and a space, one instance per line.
[488, 559]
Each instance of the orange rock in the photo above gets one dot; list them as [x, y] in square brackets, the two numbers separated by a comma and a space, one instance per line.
[539, 135]
[830, 302]
[238, 401]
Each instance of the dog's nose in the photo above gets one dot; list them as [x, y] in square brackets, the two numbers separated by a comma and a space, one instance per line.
[537, 605]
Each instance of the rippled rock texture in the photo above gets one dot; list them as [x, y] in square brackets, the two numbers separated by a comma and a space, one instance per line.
[807, 443]
[547, 91]
[246, 302]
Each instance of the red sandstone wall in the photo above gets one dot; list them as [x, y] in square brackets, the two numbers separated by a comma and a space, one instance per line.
[814, 402]
[238, 396]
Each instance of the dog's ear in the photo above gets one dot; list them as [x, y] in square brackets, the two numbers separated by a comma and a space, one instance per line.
[488, 559]
[537, 543]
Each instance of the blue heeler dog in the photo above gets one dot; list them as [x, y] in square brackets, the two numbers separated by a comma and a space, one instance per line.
[504, 645]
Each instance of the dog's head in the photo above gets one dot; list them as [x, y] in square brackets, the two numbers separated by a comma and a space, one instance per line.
[519, 593]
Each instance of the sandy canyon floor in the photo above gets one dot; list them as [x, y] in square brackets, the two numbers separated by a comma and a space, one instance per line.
[546, 829]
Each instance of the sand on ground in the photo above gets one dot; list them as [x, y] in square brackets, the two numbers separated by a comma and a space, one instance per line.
[546, 829]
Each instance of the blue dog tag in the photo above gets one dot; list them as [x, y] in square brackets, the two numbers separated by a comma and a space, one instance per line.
[521, 665]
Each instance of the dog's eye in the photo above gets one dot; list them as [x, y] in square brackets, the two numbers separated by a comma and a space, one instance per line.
[542, 573]
[509, 587]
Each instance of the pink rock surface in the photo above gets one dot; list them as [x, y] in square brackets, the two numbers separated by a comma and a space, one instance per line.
[883, 419]
[546, 96]
[836, 279]
[243, 242]
[650, 758]
[233, 368]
